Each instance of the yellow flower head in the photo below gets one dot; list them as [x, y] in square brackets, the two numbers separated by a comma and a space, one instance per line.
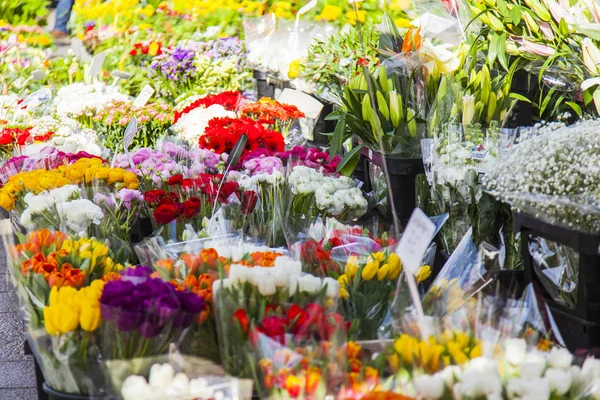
[330, 13]
[383, 272]
[351, 266]
[344, 293]
[370, 270]
[343, 280]
[295, 68]
[423, 273]
[354, 16]
[395, 266]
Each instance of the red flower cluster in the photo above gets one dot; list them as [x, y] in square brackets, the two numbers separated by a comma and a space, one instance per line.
[169, 207]
[267, 111]
[318, 259]
[313, 321]
[222, 134]
[12, 136]
[146, 48]
[229, 100]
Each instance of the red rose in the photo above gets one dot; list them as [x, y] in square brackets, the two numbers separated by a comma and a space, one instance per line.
[145, 50]
[297, 318]
[189, 213]
[175, 180]
[153, 196]
[242, 318]
[133, 53]
[165, 213]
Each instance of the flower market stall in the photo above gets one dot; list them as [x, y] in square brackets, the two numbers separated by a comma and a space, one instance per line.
[321, 200]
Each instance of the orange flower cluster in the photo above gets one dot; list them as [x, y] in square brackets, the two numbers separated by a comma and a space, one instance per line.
[298, 384]
[268, 111]
[385, 396]
[202, 286]
[38, 242]
[56, 273]
[261, 259]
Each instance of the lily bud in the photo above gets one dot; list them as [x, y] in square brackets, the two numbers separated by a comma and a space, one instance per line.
[591, 56]
[531, 22]
[396, 113]
[468, 109]
[559, 12]
[536, 48]
[367, 110]
[383, 106]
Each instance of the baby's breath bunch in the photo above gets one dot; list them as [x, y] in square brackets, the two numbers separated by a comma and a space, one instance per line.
[554, 175]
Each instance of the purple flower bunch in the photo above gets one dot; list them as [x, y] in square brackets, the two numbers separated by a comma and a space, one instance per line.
[147, 306]
[175, 64]
[263, 165]
[311, 157]
[222, 48]
[150, 164]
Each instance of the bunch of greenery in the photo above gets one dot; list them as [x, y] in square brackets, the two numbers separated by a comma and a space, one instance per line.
[23, 12]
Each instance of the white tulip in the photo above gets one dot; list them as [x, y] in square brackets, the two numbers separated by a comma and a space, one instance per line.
[430, 387]
[576, 376]
[531, 370]
[516, 388]
[266, 286]
[515, 351]
[559, 380]
[560, 358]
[333, 287]
[595, 390]
[293, 285]
[132, 387]
[161, 375]
[238, 273]
[450, 374]
[281, 276]
[199, 388]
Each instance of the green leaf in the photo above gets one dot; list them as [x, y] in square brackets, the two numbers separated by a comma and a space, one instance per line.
[493, 49]
[596, 96]
[563, 28]
[519, 97]
[390, 40]
[350, 161]
[338, 136]
[516, 14]
[501, 50]
[546, 101]
[576, 107]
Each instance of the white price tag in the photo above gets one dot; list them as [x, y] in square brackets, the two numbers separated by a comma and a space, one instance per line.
[96, 64]
[310, 106]
[415, 240]
[143, 97]
[130, 131]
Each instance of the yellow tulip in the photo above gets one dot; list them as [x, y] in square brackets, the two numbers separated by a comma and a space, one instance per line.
[379, 256]
[344, 293]
[423, 273]
[90, 316]
[343, 280]
[60, 319]
[330, 13]
[383, 272]
[475, 352]
[351, 266]
[462, 339]
[394, 361]
[370, 270]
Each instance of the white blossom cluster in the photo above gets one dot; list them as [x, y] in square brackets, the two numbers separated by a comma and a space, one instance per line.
[553, 175]
[77, 214]
[332, 194]
[68, 136]
[80, 99]
[190, 127]
[524, 375]
[163, 383]
[286, 273]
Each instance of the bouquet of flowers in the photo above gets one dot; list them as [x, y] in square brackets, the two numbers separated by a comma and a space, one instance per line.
[59, 282]
[273, 114]
[141, 317]
[208, 66]
[153, 119]
[12, 138]
[246, 296]
[82, 101]
[143, 52]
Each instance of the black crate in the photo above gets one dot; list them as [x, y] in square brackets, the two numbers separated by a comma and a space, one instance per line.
[587, 305]
[403, 180]
[577, 333]
[261, 84]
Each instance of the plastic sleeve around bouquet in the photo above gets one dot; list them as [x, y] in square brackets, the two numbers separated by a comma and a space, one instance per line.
[248, 294]
[257, 36]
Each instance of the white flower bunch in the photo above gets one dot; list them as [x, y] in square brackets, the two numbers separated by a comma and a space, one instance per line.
[526, 375]
[65, 203]
[234, 251]
[69, 136]
[190, 127]
[79, 99]
[164, 384]
[334, 195]
[286, 273]
[251, 182]
[553, 175]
